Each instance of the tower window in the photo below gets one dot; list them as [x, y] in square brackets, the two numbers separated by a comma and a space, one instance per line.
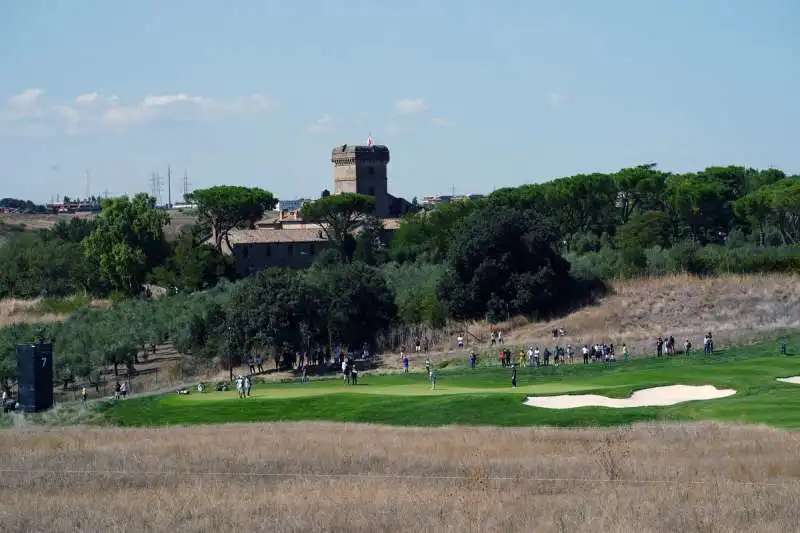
[268, 251]
[246, 251]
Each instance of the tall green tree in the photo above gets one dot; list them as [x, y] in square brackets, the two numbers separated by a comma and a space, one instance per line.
[338, 216]
[504, 262]
[427, 235]
[227, 207]
[273, 309]
[128, 241]
[194, 265]
[356, 302]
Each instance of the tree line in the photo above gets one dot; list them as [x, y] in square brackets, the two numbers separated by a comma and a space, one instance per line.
[113, 254]
[535, 250]
[643, 221]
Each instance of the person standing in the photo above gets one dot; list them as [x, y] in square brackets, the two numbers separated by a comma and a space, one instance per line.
[84, 395]
[433, 379]
[473, 359]
[514, 377]
[405, 364]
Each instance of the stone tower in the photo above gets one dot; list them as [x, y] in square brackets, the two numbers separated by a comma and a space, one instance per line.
[362, 169]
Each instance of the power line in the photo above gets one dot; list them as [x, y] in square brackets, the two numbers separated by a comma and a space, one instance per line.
[169, 186]
[185, 185]
[156, 186]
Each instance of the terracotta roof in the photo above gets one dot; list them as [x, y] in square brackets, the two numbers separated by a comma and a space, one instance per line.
[293, 233]
[266, 235]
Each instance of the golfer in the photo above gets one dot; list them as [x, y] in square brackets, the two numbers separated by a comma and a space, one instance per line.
[433, 380]
[514, 377]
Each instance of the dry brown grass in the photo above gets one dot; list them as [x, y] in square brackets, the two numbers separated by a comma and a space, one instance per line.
[39, 221]
[46, 221]
[13, 311]
[737, 309]
[351, 478]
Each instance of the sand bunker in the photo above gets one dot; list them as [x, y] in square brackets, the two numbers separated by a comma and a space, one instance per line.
[794, 380]
[655, 397]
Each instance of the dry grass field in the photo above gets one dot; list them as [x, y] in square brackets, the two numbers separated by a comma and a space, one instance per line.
[46, 221]
[359, 478]
[13, 311]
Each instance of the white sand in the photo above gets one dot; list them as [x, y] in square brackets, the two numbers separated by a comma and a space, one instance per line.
[657, 396]
[794, 380]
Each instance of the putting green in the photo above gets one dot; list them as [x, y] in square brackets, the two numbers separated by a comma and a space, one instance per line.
[484, 396]
[324, 388]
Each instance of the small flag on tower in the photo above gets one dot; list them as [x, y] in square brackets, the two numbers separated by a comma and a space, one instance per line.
[369, 140]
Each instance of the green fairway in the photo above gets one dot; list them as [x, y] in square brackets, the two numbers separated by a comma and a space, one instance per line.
[484, 396]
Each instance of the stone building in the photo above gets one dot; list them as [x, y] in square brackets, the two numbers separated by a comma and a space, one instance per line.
[364, 170]
[285, 240]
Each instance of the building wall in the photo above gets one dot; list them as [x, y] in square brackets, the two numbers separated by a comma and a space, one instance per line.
[255, 257]
[361, 170]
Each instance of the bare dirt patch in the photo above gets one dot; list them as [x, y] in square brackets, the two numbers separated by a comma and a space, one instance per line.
[354, 478]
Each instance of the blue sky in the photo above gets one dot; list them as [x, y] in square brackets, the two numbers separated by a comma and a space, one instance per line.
[467, 94]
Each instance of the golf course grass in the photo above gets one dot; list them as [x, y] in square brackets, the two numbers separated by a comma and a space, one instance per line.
[484, 396]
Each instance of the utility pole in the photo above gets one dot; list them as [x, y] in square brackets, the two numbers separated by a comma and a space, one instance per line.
[88, 191]
[185, 185]
[169, 187]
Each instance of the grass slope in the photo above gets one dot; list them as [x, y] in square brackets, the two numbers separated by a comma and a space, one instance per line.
[484, 396]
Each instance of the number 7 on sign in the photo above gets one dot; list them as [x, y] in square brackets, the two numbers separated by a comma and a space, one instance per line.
[44, 362]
